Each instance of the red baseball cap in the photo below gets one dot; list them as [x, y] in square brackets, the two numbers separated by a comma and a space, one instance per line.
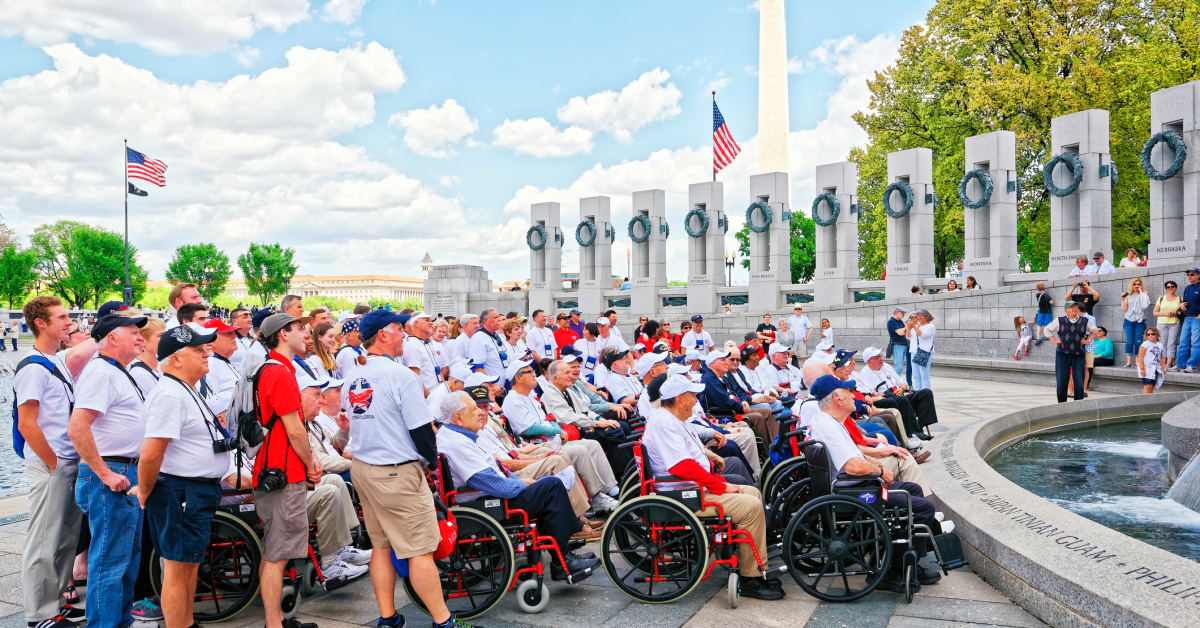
[219, 325]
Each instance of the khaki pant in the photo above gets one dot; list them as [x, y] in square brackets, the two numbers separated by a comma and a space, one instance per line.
[330, 507]
[743, 437]
[54, 524]
[589, 460]
[892, 418]
[763, 422]
[906, 470]
[746, 511]
[551, 465]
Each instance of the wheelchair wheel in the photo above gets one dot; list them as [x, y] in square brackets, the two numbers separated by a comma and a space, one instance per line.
[910, 576]
[531, 598]
[837, 548]
[308, 579]
[630, 486]
[654, 549]
[786, 505]
[782, 476]
[289, 601]
[767, 466]
[733, 590]
[227, 579]
[476, 574]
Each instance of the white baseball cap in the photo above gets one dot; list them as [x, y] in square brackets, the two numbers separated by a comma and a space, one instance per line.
[824, 358]
[332, 383]
[602, 321]
[871, 352]
[778, 348]
[478, 379]
[677, 369]
[715, 355]
[692, 355]
[415, 315]
[460, 370]
[677, 385]
[511, 372]
[825, 346]
[304, 381]
[647, 362]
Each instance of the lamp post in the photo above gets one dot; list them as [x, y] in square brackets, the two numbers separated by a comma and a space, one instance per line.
[730, 260]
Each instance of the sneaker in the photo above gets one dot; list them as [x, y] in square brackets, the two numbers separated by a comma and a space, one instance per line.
[340, 570]
[1038, 342]
[928, 576]
[1189, 370]
[1174, 368]
[604, 503]
[72, 614]
[760, 589]
[914, 443]
[142, 623]
[353, 556]
[395, 621]
[149, 609]
[947, 527]
[894, 582]
[296, 623]
[54, 622]
[939, 515]
[455, 622]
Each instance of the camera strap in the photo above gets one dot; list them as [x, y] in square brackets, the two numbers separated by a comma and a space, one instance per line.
[206, 413]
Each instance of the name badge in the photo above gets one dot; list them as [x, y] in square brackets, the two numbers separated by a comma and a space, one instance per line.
[548, 349]
[591, 361]
[503, 355]
[699, 344]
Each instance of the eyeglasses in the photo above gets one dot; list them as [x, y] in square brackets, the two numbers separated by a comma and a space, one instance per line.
[525, 372]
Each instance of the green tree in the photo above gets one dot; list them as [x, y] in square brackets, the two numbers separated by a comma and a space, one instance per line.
[395, 304]
[53, 248]
[803, 255]
[18, 273]
[268, 269]
[1015, 65]
[202, 264]
[97, 259]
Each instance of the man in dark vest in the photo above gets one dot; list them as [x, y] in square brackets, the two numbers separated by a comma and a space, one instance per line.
[1070, 333]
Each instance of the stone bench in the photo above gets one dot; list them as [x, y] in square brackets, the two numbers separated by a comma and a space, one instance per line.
[1106, 378]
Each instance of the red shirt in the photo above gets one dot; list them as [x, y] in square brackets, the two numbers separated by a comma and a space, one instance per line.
[278, 394]
[762, 355]
[564, 337]
[855, 433]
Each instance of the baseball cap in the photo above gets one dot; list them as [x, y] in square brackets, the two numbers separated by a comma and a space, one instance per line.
[797, 307]
[112, 307]
[613, 356]
[899, 309]
[1193, 271]
[871, 352]
[304, 381]
[562, 315]
[647, 362]
[275, 322]
[826, 384]
[697, 319]
[677, 385]
[602, 321]
[715, 355]
[692, 356]
[181, 336]
[478, 378]
[825, 346]
[343, 315]
[778, 348]
[637, 348]
[568, 350]
[415, 315]
[1070, 304]
[377, 320]
[511, 373]
[677, 369]
[460, 371]
[332, 383]
[573, 312]
[843, 356]
[662, 346]
[107, 324]
[219, 326]
[350, 325]
[748, 353]
[478, 393]
[824, 358]
[261, 316]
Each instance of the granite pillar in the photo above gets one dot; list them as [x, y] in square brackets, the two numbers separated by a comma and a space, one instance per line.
[649, 257]
[706, 254]
[837, 244]
[595, 261]
[1081, 222]
[1175, 202]
[991, 230]
[910, 237]
[545, 264]
[770, 251]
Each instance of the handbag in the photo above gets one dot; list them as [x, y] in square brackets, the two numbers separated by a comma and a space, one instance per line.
[921, 357]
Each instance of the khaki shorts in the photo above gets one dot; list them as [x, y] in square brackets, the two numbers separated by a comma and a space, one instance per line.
[1089, 358]
[284, 514]
[801, 349]
[397, 507]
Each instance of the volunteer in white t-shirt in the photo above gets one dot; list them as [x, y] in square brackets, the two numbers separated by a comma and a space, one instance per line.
[107, 428]
[419, 353]
[487, 349]
[697, 339]
[673, 450]
[540, 338]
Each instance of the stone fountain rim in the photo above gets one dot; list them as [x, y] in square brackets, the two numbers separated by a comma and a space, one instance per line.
[1062, 567]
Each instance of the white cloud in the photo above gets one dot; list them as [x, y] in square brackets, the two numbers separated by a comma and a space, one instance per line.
[247, 56]
[432, 132]
[795, 65]
[342, 11]
[251, 159]
[163, 26]
[641, 102]
[539, 138]
[719, 83]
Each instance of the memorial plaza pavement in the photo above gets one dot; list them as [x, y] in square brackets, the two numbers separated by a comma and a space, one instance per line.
[962, 599]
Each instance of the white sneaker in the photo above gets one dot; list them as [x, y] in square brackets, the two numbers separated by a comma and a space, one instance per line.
[947, 527]
[143, 623]
[338, 569]
[353, 556]
[939, 515]
[914, 444]
[602, 502]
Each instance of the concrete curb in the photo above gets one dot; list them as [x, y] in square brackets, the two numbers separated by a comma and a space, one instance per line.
[1063, 568]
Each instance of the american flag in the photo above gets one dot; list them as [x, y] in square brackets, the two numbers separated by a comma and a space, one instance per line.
[144, 168]
[724, 148]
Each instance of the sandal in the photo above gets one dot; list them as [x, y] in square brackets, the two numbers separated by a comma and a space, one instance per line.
[71, 595]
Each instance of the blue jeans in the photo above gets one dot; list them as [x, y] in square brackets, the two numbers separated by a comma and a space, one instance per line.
[1189, 344]
[900, 360]
[874, 430]
[920, 374]
[1133, 337]
[115, 521]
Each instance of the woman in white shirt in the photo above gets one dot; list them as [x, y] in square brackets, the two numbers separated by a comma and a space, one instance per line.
[921, 332]
[1134, 304]
[1131, 260]
[514, 340]
[321, 361]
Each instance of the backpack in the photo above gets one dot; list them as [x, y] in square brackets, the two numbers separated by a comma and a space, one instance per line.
[18, 438]
[241, 419]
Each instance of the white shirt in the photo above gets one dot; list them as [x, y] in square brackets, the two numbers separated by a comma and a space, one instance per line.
[385, 401]
[36, 382]
[146, 377]
[523, 412]
[1137, 303]
[838, 444]
[806, 407]
[541, 341]
[612, 329]
[691, 338]
[327, 422]
[1086, 270]
[771, 376]
[466, 458]
[119, 426]
[238, 359]
[460, 347]
[422, 355]
[484, 350]
[622, 386]
[173, 410]
[590, 350]
[872, 381]
[668, 442]
[436, 395]
[346, 359]
[925, 340]
[799, 325]
[1103, 268]
[314, 362]
[222, 378]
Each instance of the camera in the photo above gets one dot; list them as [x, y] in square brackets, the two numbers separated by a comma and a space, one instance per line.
[225, 444]
[271, 479]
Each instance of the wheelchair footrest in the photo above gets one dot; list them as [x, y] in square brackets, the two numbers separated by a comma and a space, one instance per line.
[335, 583]
[775, 572]
[950, 551]
[579, 576]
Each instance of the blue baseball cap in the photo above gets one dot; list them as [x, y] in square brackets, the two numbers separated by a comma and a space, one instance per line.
[574, 312]
[261, 315]
[697, 319]
[112, 307]
[842, 357]
[826, 384]
[568, 350]
[377, 320]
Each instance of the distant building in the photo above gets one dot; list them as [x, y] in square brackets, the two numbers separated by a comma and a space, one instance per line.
[354, 288]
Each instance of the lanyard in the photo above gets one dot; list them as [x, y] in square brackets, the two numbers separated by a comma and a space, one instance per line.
[126, 374]
[437, 372]
[205, 412]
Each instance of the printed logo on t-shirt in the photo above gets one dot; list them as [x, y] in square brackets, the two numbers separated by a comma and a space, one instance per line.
[360, 395]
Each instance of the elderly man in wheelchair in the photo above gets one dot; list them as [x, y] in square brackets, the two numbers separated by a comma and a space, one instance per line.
[863, 529]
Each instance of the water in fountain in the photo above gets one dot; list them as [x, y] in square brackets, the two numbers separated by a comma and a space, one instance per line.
[1186, 489]
[12, 467]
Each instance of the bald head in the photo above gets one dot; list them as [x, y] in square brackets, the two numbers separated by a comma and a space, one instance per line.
[813, 369]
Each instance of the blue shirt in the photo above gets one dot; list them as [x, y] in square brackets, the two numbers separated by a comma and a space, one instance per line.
[490, 480]
[1191, 296]
[894, 334]
[717, 395]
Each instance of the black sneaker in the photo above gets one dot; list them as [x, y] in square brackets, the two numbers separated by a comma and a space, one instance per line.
[57, 621]
[72, 614]
[395, 621]
[296, 623]
[924, 436]
[581, 567]
[894, 582]
[925, 575]
[760, 589]
[579, 555]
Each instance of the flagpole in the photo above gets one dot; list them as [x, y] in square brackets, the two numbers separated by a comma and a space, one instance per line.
[714, 97]
[127, 293]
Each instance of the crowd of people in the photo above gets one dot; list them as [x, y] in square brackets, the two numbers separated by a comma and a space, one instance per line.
[135, 431]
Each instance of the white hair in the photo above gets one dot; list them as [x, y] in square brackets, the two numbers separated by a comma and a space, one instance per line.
[453, 404]
[557, 367]
[826, 402]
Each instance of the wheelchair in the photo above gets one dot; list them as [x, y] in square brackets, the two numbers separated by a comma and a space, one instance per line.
[656, 549]
[498, 549]
[228, 577]
[839, 546]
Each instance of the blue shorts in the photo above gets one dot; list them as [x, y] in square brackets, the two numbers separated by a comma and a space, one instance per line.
[179, 511]
[1044, 319]
[1148, 382]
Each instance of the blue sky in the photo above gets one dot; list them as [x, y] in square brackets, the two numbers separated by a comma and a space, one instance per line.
[496, 61]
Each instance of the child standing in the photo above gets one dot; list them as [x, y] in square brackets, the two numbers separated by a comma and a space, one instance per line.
[1024, 334]
[826, 331]
[1045, 313]
[1149, 361]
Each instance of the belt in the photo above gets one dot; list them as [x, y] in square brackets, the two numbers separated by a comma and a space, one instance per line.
[119, 459]
[396, 464]
[181, 478]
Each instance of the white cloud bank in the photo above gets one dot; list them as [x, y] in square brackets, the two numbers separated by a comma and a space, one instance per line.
[342, 11]
[433, 132]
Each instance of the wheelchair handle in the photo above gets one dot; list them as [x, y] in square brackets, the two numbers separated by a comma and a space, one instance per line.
[629, 443]
[794, 433]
